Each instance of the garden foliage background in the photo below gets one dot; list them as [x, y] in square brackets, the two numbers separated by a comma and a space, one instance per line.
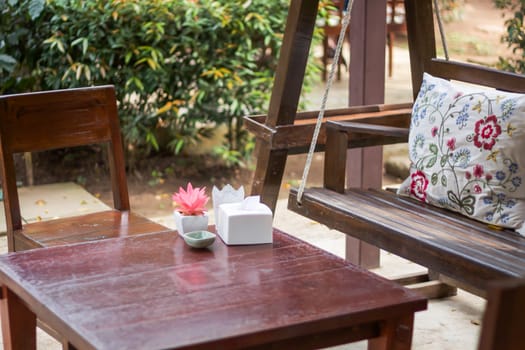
[181, 68]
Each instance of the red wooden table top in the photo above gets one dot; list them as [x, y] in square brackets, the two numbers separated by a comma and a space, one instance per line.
[153, 291]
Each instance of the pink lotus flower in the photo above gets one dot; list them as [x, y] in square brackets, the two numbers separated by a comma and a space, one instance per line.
[191, 201]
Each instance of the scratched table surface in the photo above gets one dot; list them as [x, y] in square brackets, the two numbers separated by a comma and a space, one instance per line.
[155, 292]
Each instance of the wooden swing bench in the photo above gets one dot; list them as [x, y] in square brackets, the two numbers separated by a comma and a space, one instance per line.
[457, 250]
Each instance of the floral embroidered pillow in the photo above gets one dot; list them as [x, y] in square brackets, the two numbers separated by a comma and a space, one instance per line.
[467, 151]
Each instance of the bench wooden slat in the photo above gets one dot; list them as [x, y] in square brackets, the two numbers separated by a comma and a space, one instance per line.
[426, 223]
[505, 235]
[449, 247]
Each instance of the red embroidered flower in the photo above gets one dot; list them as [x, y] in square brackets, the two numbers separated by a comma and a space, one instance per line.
[418, 185]
[458, 95]
[486, 131]
[434, 131]
[477, 189]
[478, 170]
[451, 143]
[488, 177]
[468, 175]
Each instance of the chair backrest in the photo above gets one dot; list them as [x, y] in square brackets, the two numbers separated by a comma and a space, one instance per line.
[59, 119]
[422, 47]
[504, 317]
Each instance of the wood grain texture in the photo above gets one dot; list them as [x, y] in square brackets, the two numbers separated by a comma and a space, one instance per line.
[60, 119]
[504, 316]
[284, 100]
[154, 292]
[20, 331]
[448, 243]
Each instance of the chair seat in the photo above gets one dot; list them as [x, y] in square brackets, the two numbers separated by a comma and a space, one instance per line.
[90, 227]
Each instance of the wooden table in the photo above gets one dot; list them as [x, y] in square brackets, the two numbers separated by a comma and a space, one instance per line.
[155, 292]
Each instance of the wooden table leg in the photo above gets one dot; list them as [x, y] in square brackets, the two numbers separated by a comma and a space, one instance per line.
[18, 322]
[395, 335]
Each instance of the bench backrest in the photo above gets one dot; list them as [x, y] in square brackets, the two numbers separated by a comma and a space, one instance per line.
[422, 47]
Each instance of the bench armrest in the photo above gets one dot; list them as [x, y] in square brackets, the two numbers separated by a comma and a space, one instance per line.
[364, 128]
[341, 135]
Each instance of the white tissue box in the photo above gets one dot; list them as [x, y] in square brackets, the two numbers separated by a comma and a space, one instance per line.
[244, 226]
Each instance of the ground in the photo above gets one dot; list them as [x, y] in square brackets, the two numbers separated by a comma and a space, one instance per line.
[474, 35]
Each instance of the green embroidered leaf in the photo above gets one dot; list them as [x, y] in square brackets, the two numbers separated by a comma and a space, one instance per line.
[444, 160]
[444, 181]
[433, 148]
[453, 198]
[467, 204]
[431, 162]
[434, 179]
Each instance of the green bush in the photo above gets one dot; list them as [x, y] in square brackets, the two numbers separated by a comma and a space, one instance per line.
[180, 67]
[515, 36]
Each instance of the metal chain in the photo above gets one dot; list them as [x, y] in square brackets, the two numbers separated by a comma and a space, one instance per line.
[346, 21]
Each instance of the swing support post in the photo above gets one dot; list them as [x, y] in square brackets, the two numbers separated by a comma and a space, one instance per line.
[367, 69]
[285, 97]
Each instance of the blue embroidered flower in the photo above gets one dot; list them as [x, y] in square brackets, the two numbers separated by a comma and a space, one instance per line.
[510, 203]
[507, 108]
[489, 216]
[513, 168]
[419, 142]
[462, 119]
[418, 115]
[516, 181]
[501, 196]
[444, 202]
[441, 99]
[500, 175]
[462, 157]
[487, 200]
[504, 218]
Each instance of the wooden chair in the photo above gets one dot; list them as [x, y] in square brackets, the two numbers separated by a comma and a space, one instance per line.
[504, 317]
[58, 119]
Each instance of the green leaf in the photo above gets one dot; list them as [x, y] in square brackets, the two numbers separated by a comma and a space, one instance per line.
[433, 148]
[444, 160]
[444, 181]
[178, 146]
[467, 204]
[453, 198]
[431, 162]
[434, 179]
[35, 8]
[152, 140]
[7, 63]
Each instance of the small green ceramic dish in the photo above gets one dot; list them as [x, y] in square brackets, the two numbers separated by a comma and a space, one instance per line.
[199, 239]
